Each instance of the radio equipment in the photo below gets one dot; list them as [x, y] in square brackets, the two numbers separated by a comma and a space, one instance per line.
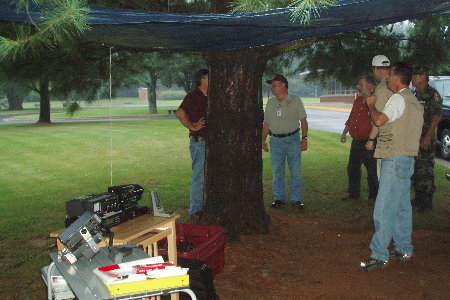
[118, 205]
[81, 237]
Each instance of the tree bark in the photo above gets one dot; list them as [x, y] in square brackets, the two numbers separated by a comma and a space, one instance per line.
[233, 171]
[151, 90]
[220, 6]
[44, 92]
[14, 99]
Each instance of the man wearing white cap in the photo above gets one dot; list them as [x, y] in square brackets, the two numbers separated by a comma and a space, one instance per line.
[380, 66]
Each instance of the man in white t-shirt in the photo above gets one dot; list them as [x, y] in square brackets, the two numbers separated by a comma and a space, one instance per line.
[400, 124]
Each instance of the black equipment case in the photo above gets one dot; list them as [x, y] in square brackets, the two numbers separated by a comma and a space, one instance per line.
[200, 278]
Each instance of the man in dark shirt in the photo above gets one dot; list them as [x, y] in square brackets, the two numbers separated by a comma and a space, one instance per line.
[192, 114]
[359, 126]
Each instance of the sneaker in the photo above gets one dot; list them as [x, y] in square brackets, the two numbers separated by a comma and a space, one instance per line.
[276, 204]
[396, 255]
[372, 264]
[299, 205]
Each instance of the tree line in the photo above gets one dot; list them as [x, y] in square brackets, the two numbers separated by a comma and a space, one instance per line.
[81, 70]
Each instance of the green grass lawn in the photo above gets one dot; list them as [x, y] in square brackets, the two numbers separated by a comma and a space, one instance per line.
[96, 109]
[45, 166]
[99, 112]
[92, 110]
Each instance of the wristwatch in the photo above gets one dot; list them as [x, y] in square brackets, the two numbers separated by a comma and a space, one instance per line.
[305, 137]
[372, 140]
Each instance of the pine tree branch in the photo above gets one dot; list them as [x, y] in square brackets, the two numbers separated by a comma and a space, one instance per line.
[62, 21]
[304, 10]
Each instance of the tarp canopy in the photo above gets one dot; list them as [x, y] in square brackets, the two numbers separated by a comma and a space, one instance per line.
[218, 32]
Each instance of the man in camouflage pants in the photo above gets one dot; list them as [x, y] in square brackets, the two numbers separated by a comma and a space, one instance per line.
[423, 177]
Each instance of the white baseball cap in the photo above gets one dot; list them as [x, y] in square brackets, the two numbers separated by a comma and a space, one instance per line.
[380, 61]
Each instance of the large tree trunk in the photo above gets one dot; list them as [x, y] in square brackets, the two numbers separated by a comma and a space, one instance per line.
[151, 93]
[14, 98]
[44, 113]
[233, 171]
[220, 6]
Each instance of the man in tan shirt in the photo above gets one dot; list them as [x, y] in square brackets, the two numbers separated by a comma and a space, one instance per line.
[282, 117]
[380, 67]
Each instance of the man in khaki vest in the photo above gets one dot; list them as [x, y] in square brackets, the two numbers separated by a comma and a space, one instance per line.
[400, 125]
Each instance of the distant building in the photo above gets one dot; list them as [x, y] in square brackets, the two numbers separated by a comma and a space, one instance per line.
[143, 93]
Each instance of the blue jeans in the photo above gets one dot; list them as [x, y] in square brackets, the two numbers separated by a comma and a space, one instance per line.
[197, 150]
[392, 215]
[280, 150]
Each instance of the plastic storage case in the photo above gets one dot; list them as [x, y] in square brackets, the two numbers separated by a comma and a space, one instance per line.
[205, 243]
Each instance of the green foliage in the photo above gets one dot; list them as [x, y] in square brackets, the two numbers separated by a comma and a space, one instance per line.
[172, 95]
[349, 55]
[169, 68]
[146, 69]
[180, 70]
[61, 21]
[240, 6]
[14, 92]
[72, 108]
[428, 44]
[304, 10]
[3, 103]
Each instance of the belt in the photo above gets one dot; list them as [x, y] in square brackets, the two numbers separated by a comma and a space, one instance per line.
[282, 135]
[197, 138]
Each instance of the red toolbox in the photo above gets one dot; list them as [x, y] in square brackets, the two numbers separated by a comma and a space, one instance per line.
[205, 243]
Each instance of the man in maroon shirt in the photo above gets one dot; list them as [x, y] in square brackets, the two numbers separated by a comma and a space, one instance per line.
[192, 114]
[359, 126]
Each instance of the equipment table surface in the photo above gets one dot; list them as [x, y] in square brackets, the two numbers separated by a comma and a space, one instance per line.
[86, 285]
[126, 232]
[134, 228]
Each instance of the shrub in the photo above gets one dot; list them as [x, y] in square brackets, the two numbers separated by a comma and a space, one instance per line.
[172, 95]
[72, 108]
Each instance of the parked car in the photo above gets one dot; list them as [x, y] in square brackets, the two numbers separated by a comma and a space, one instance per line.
[443, 130]
[442, 85]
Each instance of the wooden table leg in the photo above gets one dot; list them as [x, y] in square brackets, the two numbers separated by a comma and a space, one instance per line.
[172, 251]
[172, 243]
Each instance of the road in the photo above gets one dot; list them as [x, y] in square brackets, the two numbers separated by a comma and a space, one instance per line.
[326, 120]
